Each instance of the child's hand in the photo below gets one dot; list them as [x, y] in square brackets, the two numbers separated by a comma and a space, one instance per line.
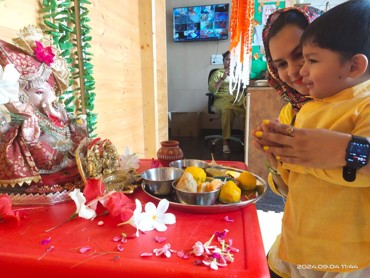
[259, 141]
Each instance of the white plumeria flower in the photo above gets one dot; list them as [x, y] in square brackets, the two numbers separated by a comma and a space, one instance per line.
[81, 209]
[152, 218]
[156, 218]
[9, 86]
[135, 219]
[129, 161]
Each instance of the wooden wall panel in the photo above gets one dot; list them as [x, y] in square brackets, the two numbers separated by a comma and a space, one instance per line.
[265, 103]
[17, 14]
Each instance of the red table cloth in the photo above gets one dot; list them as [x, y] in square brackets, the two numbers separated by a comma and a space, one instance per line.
[28, 251]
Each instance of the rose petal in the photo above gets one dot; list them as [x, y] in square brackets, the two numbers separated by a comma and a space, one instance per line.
[146, 254]
[120, 247]
[117, 238]
[228, 219]
[160, 238]
[84, 250]
[45, 241]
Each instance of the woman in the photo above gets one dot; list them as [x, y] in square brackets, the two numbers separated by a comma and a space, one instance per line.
[218, 84]
[281, 38]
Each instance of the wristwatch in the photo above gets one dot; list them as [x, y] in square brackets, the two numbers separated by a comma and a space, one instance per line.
[357, 156]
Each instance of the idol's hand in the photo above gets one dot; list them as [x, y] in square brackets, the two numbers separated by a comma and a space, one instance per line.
[31, 130]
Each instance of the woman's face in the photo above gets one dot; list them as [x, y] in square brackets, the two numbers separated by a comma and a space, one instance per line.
[286, 54]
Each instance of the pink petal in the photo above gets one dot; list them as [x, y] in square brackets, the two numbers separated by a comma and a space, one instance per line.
[120, 247]
[84, 250]
[117, 238]
[160, 238]
[45, 241]
[146, 254]
[182, 254]
[228, 219]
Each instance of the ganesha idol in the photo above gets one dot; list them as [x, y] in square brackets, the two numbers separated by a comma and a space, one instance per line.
[38, 137]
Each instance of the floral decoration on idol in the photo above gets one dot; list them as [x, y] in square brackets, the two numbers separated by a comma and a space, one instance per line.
[9, 85]
[44, 54]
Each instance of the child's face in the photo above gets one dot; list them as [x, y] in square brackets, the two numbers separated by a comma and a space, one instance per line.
[324, 72]
[286, 53]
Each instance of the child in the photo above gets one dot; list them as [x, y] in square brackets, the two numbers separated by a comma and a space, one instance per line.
[326, 223]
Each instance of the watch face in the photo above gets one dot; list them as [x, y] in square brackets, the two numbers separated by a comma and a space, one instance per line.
[358, 154]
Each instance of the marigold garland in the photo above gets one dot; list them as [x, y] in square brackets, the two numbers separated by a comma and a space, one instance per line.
[241, 27]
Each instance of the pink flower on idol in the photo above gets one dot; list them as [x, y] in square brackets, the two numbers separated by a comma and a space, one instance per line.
[6, 212]
[44, 54]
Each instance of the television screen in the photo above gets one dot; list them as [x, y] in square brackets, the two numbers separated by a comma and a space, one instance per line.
[195, 23]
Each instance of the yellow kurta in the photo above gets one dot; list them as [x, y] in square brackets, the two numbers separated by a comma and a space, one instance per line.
[326, 220]
[286, 116]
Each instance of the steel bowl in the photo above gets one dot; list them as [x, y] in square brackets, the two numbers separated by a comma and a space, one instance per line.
[158, 181]
[196, 198]
[183, 163]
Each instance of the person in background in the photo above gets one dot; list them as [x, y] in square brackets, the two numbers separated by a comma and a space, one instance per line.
[327, 215]
[218, 84]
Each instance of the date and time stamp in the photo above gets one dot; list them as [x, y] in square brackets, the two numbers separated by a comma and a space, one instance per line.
[328, 266]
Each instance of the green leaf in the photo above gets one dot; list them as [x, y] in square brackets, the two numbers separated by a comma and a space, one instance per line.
[86, 39]
[86, 45]
[50, 24]
[70, 100]
[65, 4]
[63, 27]
[66, 52]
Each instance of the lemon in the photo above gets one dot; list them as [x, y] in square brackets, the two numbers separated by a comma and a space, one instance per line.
[230, 193]
[247, 181]
[198, 174]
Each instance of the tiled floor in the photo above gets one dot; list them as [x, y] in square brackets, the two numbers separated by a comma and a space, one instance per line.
[196, 148]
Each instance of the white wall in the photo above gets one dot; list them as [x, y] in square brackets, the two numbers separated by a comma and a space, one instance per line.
[188, 63]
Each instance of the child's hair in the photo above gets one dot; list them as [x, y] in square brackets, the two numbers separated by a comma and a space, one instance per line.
[344, 29]
[290, 17]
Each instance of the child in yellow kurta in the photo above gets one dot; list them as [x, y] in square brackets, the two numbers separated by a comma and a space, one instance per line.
[326, 223]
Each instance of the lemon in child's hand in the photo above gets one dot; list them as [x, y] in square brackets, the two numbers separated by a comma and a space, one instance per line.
[198, 174]
[230, 193]
[247, 181]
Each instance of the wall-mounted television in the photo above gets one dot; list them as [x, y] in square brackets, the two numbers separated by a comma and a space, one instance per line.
[199, 23]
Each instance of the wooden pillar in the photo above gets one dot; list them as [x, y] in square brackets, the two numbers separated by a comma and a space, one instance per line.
[154, 76]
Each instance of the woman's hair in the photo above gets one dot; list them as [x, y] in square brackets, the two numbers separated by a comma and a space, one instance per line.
[289, 17]
[300, 17]
[224, 55]
[344, 29]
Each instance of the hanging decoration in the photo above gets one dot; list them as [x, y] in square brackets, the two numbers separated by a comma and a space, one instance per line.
[241, 27]
[68, 25]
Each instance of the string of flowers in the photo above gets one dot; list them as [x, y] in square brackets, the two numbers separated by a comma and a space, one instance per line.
[68, 25]
[241, 27]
